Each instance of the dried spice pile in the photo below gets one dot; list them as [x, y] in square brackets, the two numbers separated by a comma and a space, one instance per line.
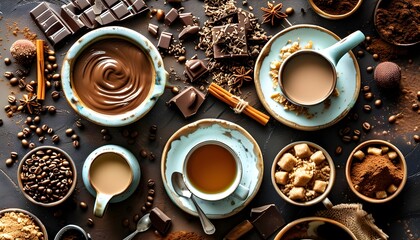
[237, 30]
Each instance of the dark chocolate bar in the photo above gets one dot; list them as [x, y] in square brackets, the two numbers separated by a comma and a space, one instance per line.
[171, 16]
[266, 219]
[160, 221]
[82, 14]
[195, 68]
[188, 101]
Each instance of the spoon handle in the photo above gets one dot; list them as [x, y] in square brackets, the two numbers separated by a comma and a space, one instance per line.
[131, 235]
[208, 227]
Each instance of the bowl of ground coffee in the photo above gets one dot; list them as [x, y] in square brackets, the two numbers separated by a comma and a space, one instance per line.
[17, 223]
[113, 76]
[376, 171]
[335, 9]
[47, 176]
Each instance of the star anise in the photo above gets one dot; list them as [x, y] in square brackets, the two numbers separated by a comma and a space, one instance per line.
[273, 13]
[29, 103]
[241, 75]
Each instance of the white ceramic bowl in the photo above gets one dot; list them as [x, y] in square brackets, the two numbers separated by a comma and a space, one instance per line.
[121, 33]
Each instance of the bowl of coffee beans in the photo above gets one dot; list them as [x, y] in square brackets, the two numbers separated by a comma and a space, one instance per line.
[335, 9]
[47, 176]
[376, 171]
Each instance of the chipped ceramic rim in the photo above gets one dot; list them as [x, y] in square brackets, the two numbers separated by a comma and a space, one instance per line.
[35, 219]
[331, 180]
[350, 160]
[126, 34]
[312, 219]
[334, 16]
[381, 35]
[73, 167]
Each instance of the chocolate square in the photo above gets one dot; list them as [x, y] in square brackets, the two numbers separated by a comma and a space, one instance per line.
[110, 3]
[188, 31]
[186, 18]
[195, 68]
[188, 101]
[120, 10]
[82, 4]
[171, 16]
[88, 18]
[266, 219]
[160, 221]
[106, 18]
[153, 29]
[165, 40]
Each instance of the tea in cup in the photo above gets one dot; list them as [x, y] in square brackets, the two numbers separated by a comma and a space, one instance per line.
[308, 77]
[112, 171]
[213, 171]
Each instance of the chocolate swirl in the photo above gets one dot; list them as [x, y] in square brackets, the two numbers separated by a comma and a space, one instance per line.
[112, 76]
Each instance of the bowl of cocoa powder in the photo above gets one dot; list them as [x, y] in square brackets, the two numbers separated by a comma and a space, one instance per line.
[335, 9]
[376, 171]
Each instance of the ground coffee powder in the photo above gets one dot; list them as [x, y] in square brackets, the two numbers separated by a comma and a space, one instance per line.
[375, 173]
[336, 7]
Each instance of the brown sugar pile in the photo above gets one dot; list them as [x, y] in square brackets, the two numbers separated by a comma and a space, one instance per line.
[375, 173]
[183, 235]
[15, 225]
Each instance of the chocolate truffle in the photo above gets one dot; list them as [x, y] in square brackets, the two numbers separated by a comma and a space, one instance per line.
[387, 75]
[24, 51]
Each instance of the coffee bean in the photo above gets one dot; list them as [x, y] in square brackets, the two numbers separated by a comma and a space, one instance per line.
[369, 69]
[11, 99]
[418, 95]
[346, 138]
[76, 144]
[69, 132]
[126, 223]
[148, 204]
[378, 103]
[33, 127]
[175, 90]
[20, 135]
[344, 131]
[143, 153]
[136, 217]
[355, 138]
[106, 137]
[74, 137]
[55, 95]
[339, 150]
[9, 162]
[366, 126]
[367, 108]
[160, 15]
[151, 192]
[83, 206]
[52, 110]
[8, 75]
[152, 137]
[152, 157]
[55, 138]
[56, 76]
[55, 66]
[51, 59]
[29, 88]
[37, 120]
[50, 131]
[14, 81]
[182, 59]
[104, 131]
[150, 198]
[7, 61]
[14, 155]
[289, 11]
[375, 56]
[392, 119]
[79, 124]
[153, 128]
[90, 222]
[368, 95]
[41, 139]
[357, 132]
[44, 127]
[366, 88]
[150, 183]
[143, 209]
[57, 85]
[415, 106]
[416, 138]
[360, 53]
[25, 143]
[32, 145]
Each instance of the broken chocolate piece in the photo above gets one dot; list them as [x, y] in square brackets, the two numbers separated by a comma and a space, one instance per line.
[186, 18]
[188, 31]
[188, 101]
[266, 219]
[229, 41]
[160, 221]
[171, 16]
[165, 40]
[153, 29]
[195, 68]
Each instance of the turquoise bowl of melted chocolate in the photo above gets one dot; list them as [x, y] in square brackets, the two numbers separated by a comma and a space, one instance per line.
[113, 76]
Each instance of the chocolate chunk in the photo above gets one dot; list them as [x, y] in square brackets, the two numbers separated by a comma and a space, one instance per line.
[120, 10]
[188, 101]
[81, 4]
[108, 3]
[68, 14]
[186, 18]
[266, 219]
[195, 68]
[153, 29]
[229, 41]
[188, 31]
[106, 18]
[160, 221]
[165, 40]
[171, 16]
[137, 6]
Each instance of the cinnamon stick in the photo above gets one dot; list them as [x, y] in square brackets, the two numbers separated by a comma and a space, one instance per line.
[230, 99]
[40, 69]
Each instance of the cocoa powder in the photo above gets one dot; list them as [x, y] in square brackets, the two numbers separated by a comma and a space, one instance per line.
[375, 173]
[336, 7]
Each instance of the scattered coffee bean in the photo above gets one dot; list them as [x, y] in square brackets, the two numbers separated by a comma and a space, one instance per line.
[415, 106]
[90, 222]
[50, 131]
[20, 135]
[346, 138]
[151, 192]
[74, 137]
[152, 157]
[51, 59]
[76, 144]
[104, 131]
[160, 15]
[368, 95]
[182, 59]
[7, 61]
[69, 132]
[25, 143]
[33, 127]
[150, 198]
[41, 139]
[366, 88]
[339, 150]
[148, 204]
[355, 138]
[367, 108]
[416, 138]
[369, 69]
[375, 56]
[392, 119]
[52, 110]
[44, 127]
[11, 99]
[55, 138]
[143, 153]
[418, 95]
[83, 206]
[289, 11]
[106, 137]
[143, 209]
[79, 124]
[366, 126]
[56, 76]
[126, 223]
[150, 183]
[55, 95]
[37, 120]
[9, 162]
[378, 103]
[136, 217]
[8, 75]
[153, 128]
[14, 155]
[14, 81]
[175, 90]
[360, 53]
[152, 137]
[32, 145]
